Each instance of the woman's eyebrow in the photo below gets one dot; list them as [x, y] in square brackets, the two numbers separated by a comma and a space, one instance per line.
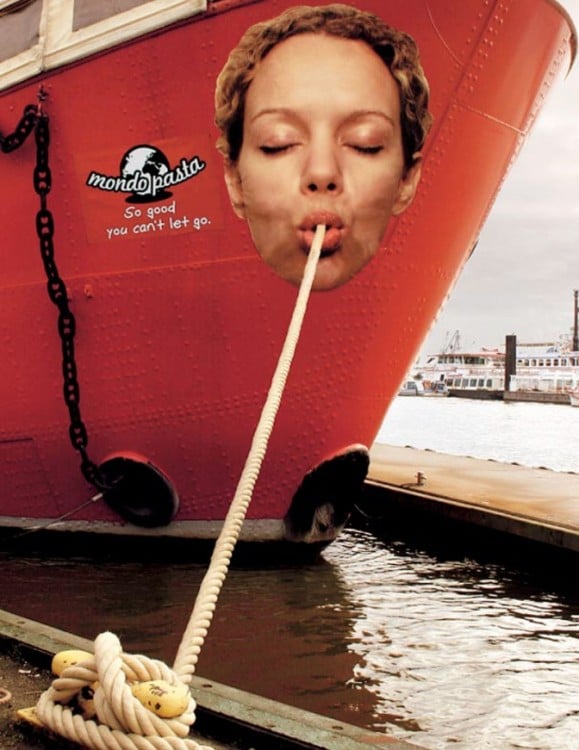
[361, 113]
[284, 111]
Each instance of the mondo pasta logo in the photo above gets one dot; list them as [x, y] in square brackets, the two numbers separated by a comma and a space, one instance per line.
[145, 175]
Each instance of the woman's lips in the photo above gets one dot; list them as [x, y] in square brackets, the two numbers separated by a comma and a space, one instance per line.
[332, 240]
[334, 231]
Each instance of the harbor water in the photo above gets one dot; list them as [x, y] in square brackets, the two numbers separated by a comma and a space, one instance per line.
[443, 651]
[531, 434]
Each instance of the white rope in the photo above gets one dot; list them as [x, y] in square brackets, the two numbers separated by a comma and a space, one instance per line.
[121, 721]
[204, 608]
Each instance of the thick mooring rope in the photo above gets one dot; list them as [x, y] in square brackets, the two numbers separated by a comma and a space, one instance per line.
[116, 719]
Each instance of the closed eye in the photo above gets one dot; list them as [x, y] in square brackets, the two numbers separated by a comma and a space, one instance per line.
[367, 149]
[272, 150]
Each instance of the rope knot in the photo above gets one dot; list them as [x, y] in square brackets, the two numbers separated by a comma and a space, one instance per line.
[97, 699]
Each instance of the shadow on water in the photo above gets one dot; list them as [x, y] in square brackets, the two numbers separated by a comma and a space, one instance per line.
[280, 630]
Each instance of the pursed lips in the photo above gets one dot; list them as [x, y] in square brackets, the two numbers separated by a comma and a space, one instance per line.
[334, 232]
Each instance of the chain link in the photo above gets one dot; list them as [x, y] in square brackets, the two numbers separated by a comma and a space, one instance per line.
[35, 119]
[23, 129]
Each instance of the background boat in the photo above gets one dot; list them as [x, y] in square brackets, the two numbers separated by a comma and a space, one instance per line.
[549, 371]
[411, 388]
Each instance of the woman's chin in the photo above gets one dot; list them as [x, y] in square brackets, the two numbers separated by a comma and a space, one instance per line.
[330, 274]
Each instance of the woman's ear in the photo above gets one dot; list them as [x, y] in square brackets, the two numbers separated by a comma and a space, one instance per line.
[234, 188]
[408, 185]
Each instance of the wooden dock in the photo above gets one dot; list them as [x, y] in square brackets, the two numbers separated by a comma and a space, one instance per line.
[226, 718]
[535, 504]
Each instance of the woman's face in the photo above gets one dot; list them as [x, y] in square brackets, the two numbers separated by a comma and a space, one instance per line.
[321, 145]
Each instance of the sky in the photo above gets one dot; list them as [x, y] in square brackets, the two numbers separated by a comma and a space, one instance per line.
[521, 277]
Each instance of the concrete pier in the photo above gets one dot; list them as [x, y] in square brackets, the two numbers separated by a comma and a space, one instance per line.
[535, 504]
[537, 397]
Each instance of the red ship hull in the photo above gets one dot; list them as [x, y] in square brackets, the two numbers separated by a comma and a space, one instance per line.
[179, 324]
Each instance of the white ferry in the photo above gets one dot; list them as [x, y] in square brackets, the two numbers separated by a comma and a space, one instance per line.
[549, 368]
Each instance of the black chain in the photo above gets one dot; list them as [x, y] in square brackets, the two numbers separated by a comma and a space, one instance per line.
[58, 295]
[23, 129]
[35, 119]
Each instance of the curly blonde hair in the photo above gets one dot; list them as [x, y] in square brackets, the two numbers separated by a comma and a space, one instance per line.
[395, 48]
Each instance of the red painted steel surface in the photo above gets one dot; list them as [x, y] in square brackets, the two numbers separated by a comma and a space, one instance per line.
[179, 329]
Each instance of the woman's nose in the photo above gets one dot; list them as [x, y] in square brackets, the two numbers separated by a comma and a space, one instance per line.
[321, 170]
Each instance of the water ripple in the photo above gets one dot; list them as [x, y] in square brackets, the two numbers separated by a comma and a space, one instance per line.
[444, 653]
[461, 652]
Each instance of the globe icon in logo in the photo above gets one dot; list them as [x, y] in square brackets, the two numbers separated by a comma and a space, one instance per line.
[147, 165]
